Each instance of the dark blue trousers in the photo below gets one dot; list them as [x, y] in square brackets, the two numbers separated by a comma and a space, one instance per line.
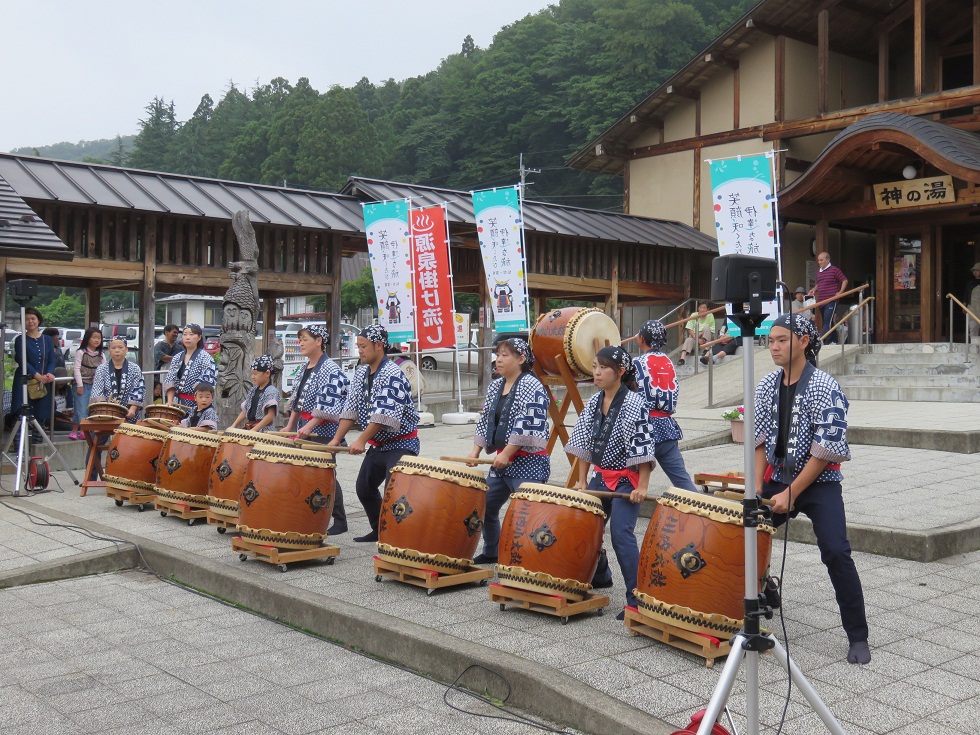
[823, 504]
[373, 478]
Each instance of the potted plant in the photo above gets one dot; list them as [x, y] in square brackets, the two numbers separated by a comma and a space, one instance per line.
[737, 418]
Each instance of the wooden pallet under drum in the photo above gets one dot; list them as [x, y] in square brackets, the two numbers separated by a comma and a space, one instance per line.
[133, 497]
[221, 521]
[560, 607]
[281, 557]
[430, 579]
[686, 640]
[189, 513]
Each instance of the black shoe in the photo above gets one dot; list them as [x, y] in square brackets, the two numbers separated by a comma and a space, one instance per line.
[603, 585]
[621, 615]
[704, 359]
[373, 536]
[859, 653]
[336, 529]
[680, 361]
[484, 559]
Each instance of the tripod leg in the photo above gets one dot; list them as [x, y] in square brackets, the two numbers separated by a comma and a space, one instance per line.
[22, 451]
[723, 688]
[54, 449]
[833, 726]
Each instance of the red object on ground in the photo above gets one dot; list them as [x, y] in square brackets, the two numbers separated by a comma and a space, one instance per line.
[695, 723]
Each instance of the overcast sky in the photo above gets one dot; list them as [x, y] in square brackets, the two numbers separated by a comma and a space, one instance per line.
[73, 70]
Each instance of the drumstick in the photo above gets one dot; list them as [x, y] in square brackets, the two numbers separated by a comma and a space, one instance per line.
[608, 494]
[318, 447]
[739, 496]
[469, 460]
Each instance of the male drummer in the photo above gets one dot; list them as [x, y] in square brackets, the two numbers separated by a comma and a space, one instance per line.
[657, 380]
[379, 401]
[800, 442]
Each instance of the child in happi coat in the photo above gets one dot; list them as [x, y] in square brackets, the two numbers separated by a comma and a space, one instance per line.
[203, 415]
[262, 400]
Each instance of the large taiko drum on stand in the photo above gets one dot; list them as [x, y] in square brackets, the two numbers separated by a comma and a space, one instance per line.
[432, 515]
[550, 541]
[692, 563]
[570, 335]
[287, 497]
[185, 462]
[133, 457]
[228, 468]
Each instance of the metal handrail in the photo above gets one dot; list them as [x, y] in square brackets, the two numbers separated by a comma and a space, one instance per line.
[847, 316]
[966, 311]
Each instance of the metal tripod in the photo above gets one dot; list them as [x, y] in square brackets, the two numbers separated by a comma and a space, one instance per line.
[750, 641]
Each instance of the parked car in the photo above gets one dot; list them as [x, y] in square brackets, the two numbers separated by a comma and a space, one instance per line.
[71, 339]
[8, 341]
[469, 357]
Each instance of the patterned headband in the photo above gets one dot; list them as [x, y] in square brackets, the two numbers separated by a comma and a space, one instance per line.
[319, 331]
[521, 347]
[262, 364]
[801, 328]
[621, 358]
[654, 333]
[117, 338]
[196, 328]
[375, 333]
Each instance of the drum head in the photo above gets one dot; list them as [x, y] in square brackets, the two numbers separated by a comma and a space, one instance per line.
[451, 471]
[583, 329]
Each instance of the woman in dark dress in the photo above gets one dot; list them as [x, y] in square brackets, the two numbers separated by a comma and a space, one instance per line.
[40, 367]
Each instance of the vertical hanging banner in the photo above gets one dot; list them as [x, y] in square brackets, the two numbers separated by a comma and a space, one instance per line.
[433, 286]
[389, 247]
[745, 215]
[501, 233]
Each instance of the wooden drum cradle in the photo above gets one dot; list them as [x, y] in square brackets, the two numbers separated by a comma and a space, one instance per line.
[227, 472]
[182, 473]
[692, 563]
[432, 515]
[550, 541]
[131, 464]
[106, 411]
[569, 335]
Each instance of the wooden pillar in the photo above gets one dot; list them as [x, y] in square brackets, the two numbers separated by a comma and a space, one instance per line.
[268, 321]
[148, 294]
[822, 236]
[93, 307]
[823, 59]
[696, 218]
[976, 41]
[736, 101]
[333, 298]
[919, 45]
[780, 79]
[612, 303]
[884, 76]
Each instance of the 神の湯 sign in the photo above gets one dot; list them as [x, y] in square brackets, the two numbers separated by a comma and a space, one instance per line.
[914, 193]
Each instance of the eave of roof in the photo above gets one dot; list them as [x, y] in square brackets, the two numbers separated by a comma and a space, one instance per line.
[22, 233]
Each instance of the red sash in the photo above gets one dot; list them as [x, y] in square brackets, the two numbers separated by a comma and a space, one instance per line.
[305, 416]
[659, 415]
[373, 443]
[186, 396]
[611, 478]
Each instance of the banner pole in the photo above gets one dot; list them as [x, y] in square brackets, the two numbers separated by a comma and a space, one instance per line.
[778, 245]
[527, 297]
[452, 286]
[415, 311]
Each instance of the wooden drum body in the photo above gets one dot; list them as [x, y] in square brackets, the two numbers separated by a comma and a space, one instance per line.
[227, 472]
[432, 515]
[569, 335]
[287, 497]
[133, 457]
[185, 462]
[692, 563]
[106, 411]
[550, 541]
[163, 415]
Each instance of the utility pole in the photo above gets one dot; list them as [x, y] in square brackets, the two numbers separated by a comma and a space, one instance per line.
[525, 172]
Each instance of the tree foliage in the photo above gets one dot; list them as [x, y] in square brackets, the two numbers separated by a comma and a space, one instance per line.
[357, 294]
[64, 311]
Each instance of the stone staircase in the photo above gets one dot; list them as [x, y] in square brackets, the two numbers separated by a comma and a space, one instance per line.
[912, 372]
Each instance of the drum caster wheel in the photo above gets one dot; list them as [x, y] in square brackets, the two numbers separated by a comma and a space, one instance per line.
[221, 529]
[243, 557]
[282, 567]
[331, 560]
[163, 514]
[483, 583]
[429, 592]
[119, 504]
[503, 607]
[139, 508]
[599, 612]
[190, 521]
[378, 578]
[563, 620]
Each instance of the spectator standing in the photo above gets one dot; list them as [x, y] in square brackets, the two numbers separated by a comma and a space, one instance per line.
[831, 282]
[800, 305]
[88, 357]
[973, 302]
[163, 351]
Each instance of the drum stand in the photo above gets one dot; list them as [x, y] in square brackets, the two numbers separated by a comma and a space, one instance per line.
[32, 472]
[749, 642]
[567, 380]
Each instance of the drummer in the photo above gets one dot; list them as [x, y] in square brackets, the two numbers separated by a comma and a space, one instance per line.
[262, 400]
[514, 424]
[615, 434]
[189, 367]
[658, 384]
[119, 380]
[380, 402]
[316, 403]
[203, 415]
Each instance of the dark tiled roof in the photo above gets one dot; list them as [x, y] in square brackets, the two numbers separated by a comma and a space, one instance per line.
[22, 233]
[545, 218]
[123, 188]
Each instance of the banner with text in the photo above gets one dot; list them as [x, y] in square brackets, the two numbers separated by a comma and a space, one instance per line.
[387, 231]
[745, 215]
[500, 231]
[433, 283]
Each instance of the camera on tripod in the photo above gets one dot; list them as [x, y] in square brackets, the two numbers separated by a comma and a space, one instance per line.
[23, 290]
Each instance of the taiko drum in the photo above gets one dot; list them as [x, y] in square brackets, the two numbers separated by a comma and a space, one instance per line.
[692, 563]
[106, 410]
[432, 515]
[550, 541]
[287, 497]
[132, 458]
[163, 413]
[228, 468]
[570, 335]
[185, 462]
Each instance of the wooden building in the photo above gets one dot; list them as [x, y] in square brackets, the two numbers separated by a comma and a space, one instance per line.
[873, 107]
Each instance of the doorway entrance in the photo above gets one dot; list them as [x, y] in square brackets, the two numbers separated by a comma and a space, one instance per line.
[903, 286]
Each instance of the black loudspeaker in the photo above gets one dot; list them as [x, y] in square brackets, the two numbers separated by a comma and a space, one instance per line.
[739, 279]
[23, 289]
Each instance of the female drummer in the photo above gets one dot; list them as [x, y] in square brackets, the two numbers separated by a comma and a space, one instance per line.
[119, 380]
[188, 368]
[614, 433]
[317, 401]
[262, 400]
[514, 424]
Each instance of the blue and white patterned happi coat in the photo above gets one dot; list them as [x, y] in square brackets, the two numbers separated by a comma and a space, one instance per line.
[268, 397]
[133, 387]
[631, 442]
[323, 396]
[208, 418]
[657, 379]
[821, 428]
[527, 427]
[201, 369]
[389, 404]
